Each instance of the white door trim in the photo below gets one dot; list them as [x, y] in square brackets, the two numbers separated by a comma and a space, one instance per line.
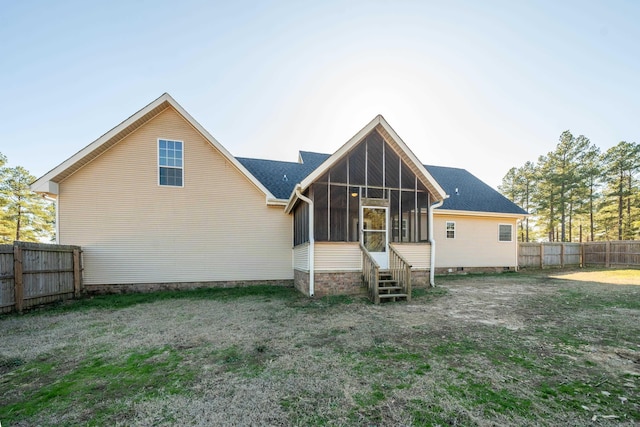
[381, 257]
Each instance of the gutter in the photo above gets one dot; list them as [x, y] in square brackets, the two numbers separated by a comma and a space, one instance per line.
[432, 242]
[311, 240]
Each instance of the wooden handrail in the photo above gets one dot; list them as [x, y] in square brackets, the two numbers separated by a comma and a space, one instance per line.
[370, 274]
[399, 255]
[400, 271]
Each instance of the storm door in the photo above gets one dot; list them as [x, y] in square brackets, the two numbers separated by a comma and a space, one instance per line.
[374, 233]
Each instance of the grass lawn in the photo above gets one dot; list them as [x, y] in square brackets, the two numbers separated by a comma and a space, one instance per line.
[508, 350]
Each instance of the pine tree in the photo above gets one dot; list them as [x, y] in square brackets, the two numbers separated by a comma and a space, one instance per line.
[621, 165]
[526, 183]
[546, 195]
[25, 215]
[517, 186]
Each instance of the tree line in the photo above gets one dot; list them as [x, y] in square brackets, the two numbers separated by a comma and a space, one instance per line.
[578, 193]
[24, 215]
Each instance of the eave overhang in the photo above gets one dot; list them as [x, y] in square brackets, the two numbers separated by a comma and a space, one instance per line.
[451, 212]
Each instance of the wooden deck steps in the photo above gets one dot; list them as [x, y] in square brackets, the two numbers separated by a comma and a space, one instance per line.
[388, 289]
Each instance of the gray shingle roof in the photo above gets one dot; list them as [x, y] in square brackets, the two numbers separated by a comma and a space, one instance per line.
[310, 158]
[272, 173]
[473, 194]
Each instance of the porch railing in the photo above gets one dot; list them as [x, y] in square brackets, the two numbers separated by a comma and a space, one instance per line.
[400, 270]
[370, 275]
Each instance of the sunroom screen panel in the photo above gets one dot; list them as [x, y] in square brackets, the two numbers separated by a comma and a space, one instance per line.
[357, 165]
[392, 168]
[338, 172]
[375, 169]
[338, 214]
[321, 214]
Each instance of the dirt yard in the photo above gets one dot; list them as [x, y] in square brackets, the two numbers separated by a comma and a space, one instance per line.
[507, 350]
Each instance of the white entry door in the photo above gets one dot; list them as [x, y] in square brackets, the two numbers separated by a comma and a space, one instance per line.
[374, 233]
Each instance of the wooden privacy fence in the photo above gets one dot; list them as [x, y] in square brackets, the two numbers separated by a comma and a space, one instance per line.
[605, 254]
[32, 274]
[540, 255]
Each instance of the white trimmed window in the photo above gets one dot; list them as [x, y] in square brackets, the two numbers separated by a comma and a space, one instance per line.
[505, 233]
[170, 163]
[451, 230]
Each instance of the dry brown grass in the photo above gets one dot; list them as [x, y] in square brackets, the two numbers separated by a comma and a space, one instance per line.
[611, 277]
[519, 350]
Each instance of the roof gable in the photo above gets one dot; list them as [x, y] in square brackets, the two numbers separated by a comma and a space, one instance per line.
[48, 183]
[380, 125]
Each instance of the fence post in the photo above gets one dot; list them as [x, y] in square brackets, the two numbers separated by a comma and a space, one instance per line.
[562, 255]
[607, 254]
[541, 255]
[582, 251]
[17, 277]
[77, 277]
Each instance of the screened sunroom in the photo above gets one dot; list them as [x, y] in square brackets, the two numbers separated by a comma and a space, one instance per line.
[370, 199]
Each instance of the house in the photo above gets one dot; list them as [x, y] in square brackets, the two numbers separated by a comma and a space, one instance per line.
[158, 202]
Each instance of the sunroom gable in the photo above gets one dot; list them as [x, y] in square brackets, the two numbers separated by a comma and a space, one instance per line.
[380, 127]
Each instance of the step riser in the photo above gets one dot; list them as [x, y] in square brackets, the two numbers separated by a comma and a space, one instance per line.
[388, 289]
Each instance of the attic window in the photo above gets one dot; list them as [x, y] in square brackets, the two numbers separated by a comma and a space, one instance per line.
[170, 163]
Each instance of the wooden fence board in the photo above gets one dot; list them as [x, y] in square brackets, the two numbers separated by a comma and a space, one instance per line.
[6, 279]
[529, 255]
[33, 274]
[572, 254]
[555, 254]
[552, 254]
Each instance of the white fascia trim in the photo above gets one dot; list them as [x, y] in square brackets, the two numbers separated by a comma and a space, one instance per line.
[220, 148]
[447, 212]
[42, 181]
[277, 202]
[313, 176]
[48, 188]
[441, 193]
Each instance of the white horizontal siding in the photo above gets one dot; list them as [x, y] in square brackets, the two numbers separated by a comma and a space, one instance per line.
[301, 257]
[216, 228]
[475, 244]
[416, 254]
[337, 256]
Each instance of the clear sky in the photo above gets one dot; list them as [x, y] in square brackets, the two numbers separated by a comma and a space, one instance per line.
[480, 85]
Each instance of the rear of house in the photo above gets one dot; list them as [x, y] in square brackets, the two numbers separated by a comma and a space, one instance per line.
[158, 202]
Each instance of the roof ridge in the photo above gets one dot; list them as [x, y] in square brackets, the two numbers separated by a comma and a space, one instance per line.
[313, 152]
[267, 160]
[446, 167]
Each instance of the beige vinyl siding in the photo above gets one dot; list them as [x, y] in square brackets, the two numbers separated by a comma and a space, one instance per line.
[215, 228]
[416, 254]
[337, 256]
[475, 244]
[301, 257]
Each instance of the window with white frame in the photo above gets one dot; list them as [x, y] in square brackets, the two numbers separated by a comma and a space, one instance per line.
[451, 230]
[505, 232]
[170, 163]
